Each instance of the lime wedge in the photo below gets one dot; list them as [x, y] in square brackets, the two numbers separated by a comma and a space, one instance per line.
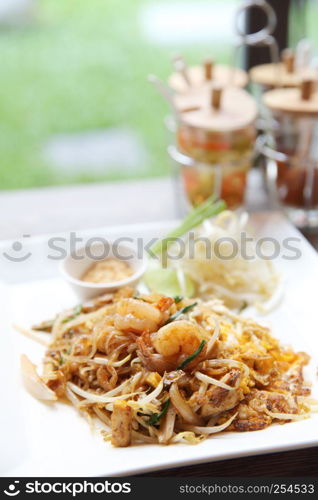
[165, 281]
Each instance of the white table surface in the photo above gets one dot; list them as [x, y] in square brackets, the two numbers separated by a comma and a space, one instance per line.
[58, 209]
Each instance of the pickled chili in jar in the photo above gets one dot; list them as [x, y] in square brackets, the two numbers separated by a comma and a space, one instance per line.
[216, 130]
[227, 182]
[292, 146]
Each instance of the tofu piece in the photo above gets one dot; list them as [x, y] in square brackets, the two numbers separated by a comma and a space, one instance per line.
[121, 420]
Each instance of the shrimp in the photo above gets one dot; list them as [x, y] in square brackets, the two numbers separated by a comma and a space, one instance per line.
[153, 361]
[165, 349]
[138, 316]
[178, 337]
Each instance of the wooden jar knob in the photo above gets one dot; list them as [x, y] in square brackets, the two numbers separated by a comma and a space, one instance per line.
[288, 59]
[306, 89]
[208, 69]
[216, 97]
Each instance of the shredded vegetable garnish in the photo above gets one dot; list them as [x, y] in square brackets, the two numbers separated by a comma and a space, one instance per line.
[224, 260]
[147, 380]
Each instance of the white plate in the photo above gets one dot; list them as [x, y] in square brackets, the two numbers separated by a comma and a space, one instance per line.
[43, 440]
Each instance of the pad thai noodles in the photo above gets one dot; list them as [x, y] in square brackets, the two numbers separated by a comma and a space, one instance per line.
[157, 369]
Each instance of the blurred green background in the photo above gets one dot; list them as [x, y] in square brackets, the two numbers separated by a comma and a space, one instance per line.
[78, 66]
[75, 103]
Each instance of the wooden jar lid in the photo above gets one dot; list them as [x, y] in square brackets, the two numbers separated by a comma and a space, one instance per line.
[195, 98]
[302, 100]
[198, 76]
[283, 74]
[276, 75]
[219, 109]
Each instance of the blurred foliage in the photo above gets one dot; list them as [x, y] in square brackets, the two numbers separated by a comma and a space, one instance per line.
[80, 65]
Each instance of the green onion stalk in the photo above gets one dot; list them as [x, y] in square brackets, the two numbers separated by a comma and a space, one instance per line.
[198, 214]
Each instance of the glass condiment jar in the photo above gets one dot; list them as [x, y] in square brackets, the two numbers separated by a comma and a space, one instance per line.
[290, 147]
[199, 180]
[215, 143]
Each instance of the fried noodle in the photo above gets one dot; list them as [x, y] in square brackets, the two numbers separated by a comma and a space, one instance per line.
[151, 379]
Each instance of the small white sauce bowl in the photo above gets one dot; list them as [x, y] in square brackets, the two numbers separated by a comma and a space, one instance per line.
[73, 267]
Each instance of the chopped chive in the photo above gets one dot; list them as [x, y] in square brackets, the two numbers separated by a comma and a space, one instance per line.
[183, 310]
[178, 299]
[191, 358]
[76, 312]
[243, 306]
[156, 417]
